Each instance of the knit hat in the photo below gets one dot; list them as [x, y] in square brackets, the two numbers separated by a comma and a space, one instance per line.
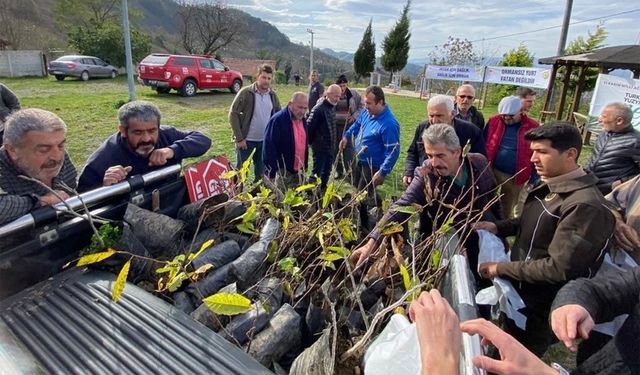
[341, 79]
[509, 105]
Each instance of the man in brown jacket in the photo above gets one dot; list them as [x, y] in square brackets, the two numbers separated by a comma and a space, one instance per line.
[563, 233]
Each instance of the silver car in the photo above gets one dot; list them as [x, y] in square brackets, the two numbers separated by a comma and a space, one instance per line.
[84, 67]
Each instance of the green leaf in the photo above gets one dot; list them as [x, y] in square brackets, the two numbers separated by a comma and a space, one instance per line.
[446, 227]
[329, 265]
[204, 247]
[341, 251]
[406, 279]
[329, 215]
[435, 259]
[165, 269]
[228, 303]
[391, 228]
[121, 280]
[228, 175]
[95, 258]
[330, 257]
[291, 199]
[305, 187]
[246, 228]
[273, 251]
[328, 194]
[287, 264]
[285, 222]
[346, 228]
[411, 210]
[176, 282]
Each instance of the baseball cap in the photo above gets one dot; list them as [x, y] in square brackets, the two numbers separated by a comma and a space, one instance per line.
[509, 105]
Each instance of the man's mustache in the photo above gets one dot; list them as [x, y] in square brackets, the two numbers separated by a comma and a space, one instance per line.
[52, 164]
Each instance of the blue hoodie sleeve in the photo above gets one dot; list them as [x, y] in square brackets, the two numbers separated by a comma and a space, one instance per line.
[391, 139]
[354, 129]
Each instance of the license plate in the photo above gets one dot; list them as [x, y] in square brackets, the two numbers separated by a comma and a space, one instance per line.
[56, 72]
[153, 82]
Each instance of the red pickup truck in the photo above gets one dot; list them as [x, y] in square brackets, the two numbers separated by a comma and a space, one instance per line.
[187, 74]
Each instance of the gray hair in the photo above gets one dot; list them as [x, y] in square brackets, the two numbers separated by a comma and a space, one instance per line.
[441, 99]
[140, 110]
[298, 95]
[441, 134]
[622, 111]
[30, 120]
[467, 86]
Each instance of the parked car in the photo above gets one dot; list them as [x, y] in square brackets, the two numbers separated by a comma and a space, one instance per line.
[83, 67]
[187, 74]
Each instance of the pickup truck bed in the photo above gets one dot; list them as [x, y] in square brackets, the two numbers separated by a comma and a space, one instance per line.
[69, 325]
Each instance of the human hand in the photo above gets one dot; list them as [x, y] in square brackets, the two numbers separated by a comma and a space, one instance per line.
[488, 270]
[51, 198]
[377, 179]
[514, 357]
[438, 332]
[115, 174]
[570, 322]
[626, 236]
[486, 225]
[406, 180]
[242, 145]
[342, 144]
[361, 254]
[160, 156]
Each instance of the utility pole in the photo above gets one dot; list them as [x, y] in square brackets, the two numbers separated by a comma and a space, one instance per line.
[127, 50]
[311, 57]
[565, 27]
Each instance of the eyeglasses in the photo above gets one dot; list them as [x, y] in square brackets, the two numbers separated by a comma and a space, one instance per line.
[508, 117]
[465, 97]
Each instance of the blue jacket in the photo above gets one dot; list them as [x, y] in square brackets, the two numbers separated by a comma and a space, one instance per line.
[279, 147]
[377, 139]
[116, 151]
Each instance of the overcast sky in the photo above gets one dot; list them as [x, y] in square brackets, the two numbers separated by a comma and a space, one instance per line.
[339, 24]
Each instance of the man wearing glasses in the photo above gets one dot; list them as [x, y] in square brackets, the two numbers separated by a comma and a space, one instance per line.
[508, 151]
[464, 106]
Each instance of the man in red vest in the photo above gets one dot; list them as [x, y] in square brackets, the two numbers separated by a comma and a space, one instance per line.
[508, 151]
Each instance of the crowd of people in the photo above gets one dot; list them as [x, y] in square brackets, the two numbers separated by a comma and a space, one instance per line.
[509, 176]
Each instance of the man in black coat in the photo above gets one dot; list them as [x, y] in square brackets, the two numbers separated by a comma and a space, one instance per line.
[321, 133]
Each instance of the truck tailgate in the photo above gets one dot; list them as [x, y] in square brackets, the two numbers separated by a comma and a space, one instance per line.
[68, 324]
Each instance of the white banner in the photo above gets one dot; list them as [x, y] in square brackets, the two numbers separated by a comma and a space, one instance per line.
[510, 75]
[454, 73]
[611, 89]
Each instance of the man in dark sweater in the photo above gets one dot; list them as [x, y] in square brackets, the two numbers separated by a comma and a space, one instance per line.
[140, 146]
[315, 89]
[321, 134]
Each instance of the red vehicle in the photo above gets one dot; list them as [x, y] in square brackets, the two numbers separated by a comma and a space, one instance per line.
[187, 74]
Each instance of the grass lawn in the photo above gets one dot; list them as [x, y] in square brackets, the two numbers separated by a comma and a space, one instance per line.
[90, 111]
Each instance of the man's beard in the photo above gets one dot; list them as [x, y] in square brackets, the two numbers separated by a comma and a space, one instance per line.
[142, 147]
[51, 168]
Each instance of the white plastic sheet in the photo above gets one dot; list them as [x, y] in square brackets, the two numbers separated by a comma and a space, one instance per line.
[395, 351]
[502, 291]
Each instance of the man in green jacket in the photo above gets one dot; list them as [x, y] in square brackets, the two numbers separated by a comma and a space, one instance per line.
[250, 112]
[563, 233]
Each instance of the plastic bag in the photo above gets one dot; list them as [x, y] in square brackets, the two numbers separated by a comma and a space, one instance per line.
[395, 351]
[502, 291]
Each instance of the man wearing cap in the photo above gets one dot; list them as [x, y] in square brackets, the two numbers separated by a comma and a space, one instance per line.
[464, 106]
[508, 151]
[347, 111]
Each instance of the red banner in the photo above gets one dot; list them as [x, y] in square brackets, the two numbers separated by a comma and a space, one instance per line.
[203, 179]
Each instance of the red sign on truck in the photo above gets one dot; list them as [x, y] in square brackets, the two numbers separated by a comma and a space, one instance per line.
[203, 179]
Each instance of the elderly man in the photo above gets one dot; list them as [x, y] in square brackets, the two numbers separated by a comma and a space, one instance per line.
[464, 106]
[616, 155]
[563, 233]
[285, 150]
[315, 89]
[508, 151]
[34, 147]
[141, 145]
[348, 109]
[321, 133]
[249, 114]
[440, 110]
[454, 180]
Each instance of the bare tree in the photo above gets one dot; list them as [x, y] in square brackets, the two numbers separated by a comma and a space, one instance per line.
[11, 28]
[207, 27]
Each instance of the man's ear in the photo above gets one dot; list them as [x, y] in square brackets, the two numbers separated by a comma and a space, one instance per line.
[123, 131]
[11, 150]
[572, 153]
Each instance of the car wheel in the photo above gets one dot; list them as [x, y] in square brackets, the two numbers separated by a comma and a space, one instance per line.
[84, 76]
[59, 77]
[236, 86]
[114, 74]
[189, 88]
[163, 90]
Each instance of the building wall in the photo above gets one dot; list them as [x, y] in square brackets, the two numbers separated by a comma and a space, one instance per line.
[21, 64]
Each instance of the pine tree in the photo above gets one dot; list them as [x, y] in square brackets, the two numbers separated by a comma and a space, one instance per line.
[396, 44]
[364, 61]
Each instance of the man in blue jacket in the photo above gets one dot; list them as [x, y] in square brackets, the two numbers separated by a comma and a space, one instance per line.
[284, 149]
[140, 146]
[376, 134]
